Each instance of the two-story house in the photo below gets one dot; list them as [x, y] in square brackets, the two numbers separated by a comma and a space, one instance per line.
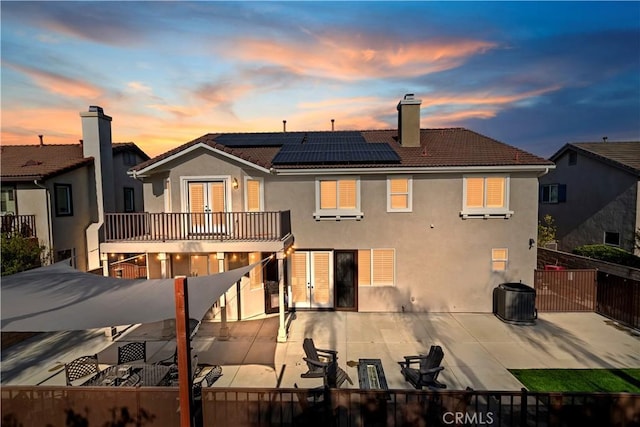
[383, 220]
[594, 194]
[59, 193]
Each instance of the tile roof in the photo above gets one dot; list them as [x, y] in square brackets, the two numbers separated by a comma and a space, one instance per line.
[129, 146]
[625, 155]
[451, 147]
[29, 162]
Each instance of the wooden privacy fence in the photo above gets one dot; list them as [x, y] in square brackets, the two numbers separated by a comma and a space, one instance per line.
[565, 290]
[28, 406]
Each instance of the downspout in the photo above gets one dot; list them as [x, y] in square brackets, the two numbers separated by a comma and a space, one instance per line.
[49, 227]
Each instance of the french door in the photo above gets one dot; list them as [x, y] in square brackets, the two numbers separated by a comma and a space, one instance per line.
[207, 204]
[311, 284]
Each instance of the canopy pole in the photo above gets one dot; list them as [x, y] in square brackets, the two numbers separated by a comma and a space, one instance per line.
[183, 348]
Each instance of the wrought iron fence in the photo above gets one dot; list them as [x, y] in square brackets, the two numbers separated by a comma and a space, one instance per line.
[74, 406]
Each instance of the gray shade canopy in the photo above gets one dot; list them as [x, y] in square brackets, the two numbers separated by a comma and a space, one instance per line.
[60, 298]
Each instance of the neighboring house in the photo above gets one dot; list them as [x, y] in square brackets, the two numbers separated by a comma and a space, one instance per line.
[594, 194]
[383, 220]
[62, 191]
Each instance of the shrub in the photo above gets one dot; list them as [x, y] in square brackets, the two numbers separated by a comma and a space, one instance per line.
[609, 254]
[20, 253]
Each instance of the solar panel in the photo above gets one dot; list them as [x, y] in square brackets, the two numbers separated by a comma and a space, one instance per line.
[333, 152]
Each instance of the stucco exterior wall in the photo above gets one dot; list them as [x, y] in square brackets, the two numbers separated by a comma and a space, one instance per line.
[446, 267]
[122, 180]
[32, 200]
[443, 262]
[69, 231]
[600, 198]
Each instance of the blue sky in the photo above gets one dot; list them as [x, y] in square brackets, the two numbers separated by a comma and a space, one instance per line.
[532, 74]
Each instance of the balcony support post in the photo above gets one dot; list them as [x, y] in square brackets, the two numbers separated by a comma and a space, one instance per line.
[224, 329]
[282, 332]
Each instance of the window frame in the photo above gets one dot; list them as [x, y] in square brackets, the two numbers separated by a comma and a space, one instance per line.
[337, 213]
[549, 199]
[129, 196]
[372, 280]
[495, 259]
[69, 205]
[260, 195]
[409, 193]
[484, 211]
[10, 191]
[604, 238]
[129, 158]
[561, 193]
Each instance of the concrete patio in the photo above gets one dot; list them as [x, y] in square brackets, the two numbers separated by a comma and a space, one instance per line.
[479, 349]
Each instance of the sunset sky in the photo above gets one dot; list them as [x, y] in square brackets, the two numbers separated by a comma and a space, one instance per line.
[534, 75]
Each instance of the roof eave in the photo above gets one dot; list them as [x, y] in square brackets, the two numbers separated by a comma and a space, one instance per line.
[606, 160]
[147, 171]
[413, 170]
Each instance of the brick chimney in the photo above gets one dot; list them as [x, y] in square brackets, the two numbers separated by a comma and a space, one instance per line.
[409, 121]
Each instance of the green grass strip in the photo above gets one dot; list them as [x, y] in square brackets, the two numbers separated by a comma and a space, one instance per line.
[579, 380]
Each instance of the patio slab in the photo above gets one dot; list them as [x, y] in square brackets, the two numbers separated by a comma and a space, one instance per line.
[479, 348]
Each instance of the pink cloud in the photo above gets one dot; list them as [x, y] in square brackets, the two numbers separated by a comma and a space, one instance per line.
[58, 84]
[350, 58]
[486, 97]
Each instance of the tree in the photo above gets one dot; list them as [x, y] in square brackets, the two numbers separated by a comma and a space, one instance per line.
[19, 254]
[546, 231]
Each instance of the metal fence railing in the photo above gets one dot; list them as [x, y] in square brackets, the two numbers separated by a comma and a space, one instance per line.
[18, 225]
[565, 290]
[63, 406]
[619, 299]
[221, 226]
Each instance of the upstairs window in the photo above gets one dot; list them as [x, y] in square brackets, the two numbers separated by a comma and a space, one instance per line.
[8, 200]
[573, 158]
[611, 238]
[486, 196]
[553, 193]
[337, 198]
[399, 194]
[63, 199]
[253, 195]
[129, 200]
[129, 158]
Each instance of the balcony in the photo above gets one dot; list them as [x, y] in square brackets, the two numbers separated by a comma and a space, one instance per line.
[213, 226]
[18, 225]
